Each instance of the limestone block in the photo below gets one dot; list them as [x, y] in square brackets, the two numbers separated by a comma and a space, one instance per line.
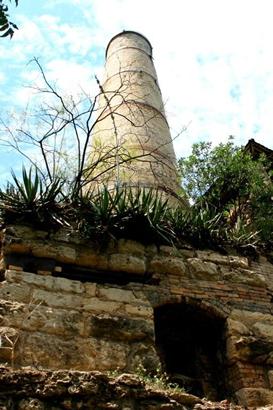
[26, 232]
[87, 257]
[46, 282]
[250, 318]
[97, 305]
[138, 310]
[213, 257]
[234, 327]
[254, 397]
[131, 247]
[187, 253]
[104, 354]
[69, 301]
[265, 330]
[51, 351]
[168, 250]
[239, 261]
[127, 263]
[66, 254]
[116, 294]
[44, 250]
[231, 349]
[14, 245]
[168, 265]
[90, 289]
[67, 285]
[246, 277]
[249, 348]
[61, 322]
[61, 253]
[202, 270]
[123, 329]
[36, 317]
[13, 291]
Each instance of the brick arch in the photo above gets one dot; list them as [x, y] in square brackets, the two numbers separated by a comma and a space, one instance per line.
[212, 306]
[191, 343]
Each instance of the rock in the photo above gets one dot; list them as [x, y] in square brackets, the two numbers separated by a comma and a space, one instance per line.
[46, 282]
[239, 261]
[31, 404]
[265, 330]
[138, 310]
[119, 328]
[234, 327]
[116, 294]
[97, 305]
[127, 263]
[254, 397]
[129, 380]
[17, 292]
[131, 247]
[203, 270]
[185, 398]
[87, 257]
[168, 265]
[246, 277]
[213, 257]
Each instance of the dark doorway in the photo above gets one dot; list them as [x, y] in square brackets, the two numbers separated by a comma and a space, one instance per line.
[191, 345]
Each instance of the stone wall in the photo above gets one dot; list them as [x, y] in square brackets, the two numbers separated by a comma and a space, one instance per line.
[66, 305]
[31, 389]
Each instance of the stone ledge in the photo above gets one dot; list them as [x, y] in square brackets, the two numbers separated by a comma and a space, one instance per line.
[27, 388]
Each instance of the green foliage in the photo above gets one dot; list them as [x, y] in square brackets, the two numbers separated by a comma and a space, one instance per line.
[244, 221]
[6, 26]
[231, 188]
[158, 381]
[133, 213]
[30, 200]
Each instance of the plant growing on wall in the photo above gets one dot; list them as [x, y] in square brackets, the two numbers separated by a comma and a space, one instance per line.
[30, 200]
[55, 137]
[226, 180]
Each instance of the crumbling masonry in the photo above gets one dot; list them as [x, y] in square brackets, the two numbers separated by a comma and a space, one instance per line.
[204, 318]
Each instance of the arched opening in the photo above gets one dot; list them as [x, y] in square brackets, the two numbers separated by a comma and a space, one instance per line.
[191, 345]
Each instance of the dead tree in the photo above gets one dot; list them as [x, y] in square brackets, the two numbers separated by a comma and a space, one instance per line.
[62, 136]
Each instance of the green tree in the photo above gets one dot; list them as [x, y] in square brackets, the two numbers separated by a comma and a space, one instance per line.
[6, 26]
[229, 181]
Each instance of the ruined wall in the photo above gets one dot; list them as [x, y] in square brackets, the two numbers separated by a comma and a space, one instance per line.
[66, 305]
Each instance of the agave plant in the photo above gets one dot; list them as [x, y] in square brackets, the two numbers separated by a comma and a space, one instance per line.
[138, 214]
[147, 216]
[99, 214]
[30, 200]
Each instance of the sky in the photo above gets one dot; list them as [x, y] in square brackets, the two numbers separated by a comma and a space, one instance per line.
[214, 60]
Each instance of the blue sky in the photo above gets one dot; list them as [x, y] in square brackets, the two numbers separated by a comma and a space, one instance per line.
[214, 60]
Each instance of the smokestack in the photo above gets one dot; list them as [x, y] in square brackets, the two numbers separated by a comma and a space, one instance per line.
[132, 135]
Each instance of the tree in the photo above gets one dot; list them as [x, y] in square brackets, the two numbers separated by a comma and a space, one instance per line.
[59, 132]
[229, 181]
[6, 26]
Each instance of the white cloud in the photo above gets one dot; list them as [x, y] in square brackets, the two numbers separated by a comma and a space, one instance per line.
[213, 59]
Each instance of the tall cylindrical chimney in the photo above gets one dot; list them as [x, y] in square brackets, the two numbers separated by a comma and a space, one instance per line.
[132, 136]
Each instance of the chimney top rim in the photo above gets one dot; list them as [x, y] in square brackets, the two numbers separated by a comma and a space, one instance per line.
[128, 32]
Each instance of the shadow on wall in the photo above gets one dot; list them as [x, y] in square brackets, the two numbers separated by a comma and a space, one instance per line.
[191, 346]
